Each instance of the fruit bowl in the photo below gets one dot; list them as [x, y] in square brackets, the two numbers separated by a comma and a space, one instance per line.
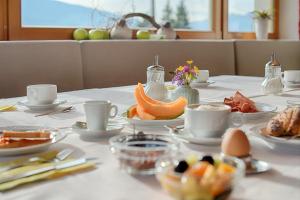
[138, 153]
[210, 178]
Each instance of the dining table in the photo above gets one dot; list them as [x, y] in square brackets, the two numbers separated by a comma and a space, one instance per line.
[107, 181]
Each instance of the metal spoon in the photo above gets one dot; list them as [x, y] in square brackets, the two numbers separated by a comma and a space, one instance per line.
[64, 110]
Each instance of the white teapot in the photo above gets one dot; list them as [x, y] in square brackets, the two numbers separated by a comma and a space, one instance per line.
[121, 31]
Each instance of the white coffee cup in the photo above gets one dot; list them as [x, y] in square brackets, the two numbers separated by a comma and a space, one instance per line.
[41, 94]
[97, 114]
[202, 76]
[210, 120]
[292, 76]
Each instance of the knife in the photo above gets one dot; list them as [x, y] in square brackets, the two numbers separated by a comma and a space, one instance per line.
[54, 166]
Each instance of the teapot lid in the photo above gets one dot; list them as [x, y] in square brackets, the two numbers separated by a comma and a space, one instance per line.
[156, 66]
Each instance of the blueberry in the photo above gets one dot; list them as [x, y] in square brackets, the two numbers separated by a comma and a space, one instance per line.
[181, 167]
[208, 159]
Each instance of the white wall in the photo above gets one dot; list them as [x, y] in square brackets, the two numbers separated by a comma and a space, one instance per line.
[289, 19]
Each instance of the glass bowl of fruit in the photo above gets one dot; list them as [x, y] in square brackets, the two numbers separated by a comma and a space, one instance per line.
[138, 153]
[207, 178]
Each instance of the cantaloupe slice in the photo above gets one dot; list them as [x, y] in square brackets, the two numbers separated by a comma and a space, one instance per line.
[160, 111]
[147, 98]
[144, 115]
[131, 112]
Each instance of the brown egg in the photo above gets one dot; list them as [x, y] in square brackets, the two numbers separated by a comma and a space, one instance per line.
[235, 143]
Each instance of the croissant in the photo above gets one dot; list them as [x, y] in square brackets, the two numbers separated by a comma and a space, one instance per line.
[286, 123]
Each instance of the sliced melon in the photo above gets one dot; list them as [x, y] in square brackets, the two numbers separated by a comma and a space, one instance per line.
[147, 98]
[144, 115]
[160, 111]
[131, 112]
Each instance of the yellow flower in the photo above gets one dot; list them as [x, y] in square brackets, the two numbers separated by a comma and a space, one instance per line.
[189, 62]
[180, 68]
[196, 69]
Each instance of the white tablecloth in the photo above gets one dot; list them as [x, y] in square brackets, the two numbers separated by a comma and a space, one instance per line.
[108, 182]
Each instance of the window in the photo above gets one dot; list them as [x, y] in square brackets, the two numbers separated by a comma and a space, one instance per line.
[239, 21]
[56, 19]
[187, 14]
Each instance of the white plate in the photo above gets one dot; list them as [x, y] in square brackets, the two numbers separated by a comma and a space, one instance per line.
[156, 123]
[186, 137]
[42, 107]
[56, 135]
[112, 129]
[262, 108]
[202, 84]
[278, 141]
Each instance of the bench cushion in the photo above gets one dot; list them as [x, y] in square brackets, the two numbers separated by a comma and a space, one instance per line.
[35, 62]
[116, 63]
[251, 56]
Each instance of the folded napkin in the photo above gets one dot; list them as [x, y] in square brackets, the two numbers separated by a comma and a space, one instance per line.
[42, 176]
[7, 108]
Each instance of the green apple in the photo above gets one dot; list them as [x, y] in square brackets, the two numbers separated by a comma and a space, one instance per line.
[143, 35]
[98, 34]
[80, 34]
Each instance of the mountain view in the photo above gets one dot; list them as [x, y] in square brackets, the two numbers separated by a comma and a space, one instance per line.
[51, 13]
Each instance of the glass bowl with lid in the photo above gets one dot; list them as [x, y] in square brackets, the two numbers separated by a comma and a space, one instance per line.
[138, 153]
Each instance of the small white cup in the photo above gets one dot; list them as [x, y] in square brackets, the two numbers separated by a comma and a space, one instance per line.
[203, 76]
[292, 76]
[41, 94]
[210, 120]
[97, 114]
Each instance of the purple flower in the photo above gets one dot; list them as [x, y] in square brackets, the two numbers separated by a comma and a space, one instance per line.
[186, 68]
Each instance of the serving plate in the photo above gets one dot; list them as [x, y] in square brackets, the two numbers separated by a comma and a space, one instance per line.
[262, 108]
[277, 141]
[156, 123]
[56, 136]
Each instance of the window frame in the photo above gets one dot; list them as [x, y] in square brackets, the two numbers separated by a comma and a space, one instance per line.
[3, 20]
[17, 32]
[249, 35]
[11, 27]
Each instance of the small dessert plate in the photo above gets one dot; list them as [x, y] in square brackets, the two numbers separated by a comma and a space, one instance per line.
[257, 167]
[112, 129]
[202, 84]
[43, 107]
[286, 142]
[186, 137]
[56, 136]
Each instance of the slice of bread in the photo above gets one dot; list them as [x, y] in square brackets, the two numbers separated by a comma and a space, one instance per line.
[26, 135]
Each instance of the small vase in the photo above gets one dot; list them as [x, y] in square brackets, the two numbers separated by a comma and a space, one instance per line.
[192, 95]
[261, 29]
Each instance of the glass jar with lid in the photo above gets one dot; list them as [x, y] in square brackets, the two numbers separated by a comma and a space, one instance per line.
[272, 83]
[155, 87]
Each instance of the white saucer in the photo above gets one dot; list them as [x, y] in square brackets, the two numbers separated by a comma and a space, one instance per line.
[292, 84]
[56, 136]
[186, 137]
[202, 84]
[42, 107]
[112, 129]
